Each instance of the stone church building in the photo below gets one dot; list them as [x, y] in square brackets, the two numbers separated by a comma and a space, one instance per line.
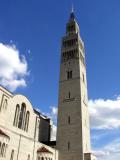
[25, 134]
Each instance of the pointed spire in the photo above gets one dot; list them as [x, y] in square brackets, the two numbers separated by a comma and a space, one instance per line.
[72, 15]
[72, 10]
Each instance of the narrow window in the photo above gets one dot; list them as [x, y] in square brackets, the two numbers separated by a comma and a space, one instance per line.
[83, 78]
[68, 145]
[69, 74]
[28, 157]
[24, 116]
[68, 119]
[69, 95]
[12, 155]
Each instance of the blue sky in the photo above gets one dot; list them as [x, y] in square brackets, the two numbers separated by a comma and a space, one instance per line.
[35, 28]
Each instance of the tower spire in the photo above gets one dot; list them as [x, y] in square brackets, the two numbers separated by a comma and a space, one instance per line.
[72, 15]
[72, 9]
[73, 133]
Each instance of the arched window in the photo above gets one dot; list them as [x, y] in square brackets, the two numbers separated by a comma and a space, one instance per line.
[15, 123]
[3, 149]
[27, 121]
[12, 155]
[5, 104]
[42, 158]
[21, 117]
[24, 116]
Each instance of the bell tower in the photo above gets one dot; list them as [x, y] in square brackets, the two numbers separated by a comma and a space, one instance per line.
[73, 133]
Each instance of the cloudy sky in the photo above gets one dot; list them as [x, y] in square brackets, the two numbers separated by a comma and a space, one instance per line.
[30, 40]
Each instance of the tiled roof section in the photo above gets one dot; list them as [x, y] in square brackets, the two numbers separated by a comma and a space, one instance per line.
[3, 134]
[43, 150]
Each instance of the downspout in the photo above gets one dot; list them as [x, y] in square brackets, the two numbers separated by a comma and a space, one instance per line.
[19, 147]
[34, 138]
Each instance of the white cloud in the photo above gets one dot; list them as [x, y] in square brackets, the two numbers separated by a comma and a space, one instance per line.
[53, 114]
[53, 133]
[110, 152]
[54, 110]
[105, 117]
[13, 68]
[104, 114]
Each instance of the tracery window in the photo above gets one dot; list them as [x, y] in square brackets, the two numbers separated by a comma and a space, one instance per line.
[21, 118]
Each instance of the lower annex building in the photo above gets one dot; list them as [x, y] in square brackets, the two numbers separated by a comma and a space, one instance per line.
[25, 134]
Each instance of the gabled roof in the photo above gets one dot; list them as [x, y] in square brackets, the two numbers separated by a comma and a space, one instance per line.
[43, 150]
[3, 134]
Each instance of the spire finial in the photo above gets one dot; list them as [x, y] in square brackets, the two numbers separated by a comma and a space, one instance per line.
[72, 10]
[72, 16]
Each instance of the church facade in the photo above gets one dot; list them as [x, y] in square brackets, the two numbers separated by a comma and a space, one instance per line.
[25, 134]
[23, 130]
